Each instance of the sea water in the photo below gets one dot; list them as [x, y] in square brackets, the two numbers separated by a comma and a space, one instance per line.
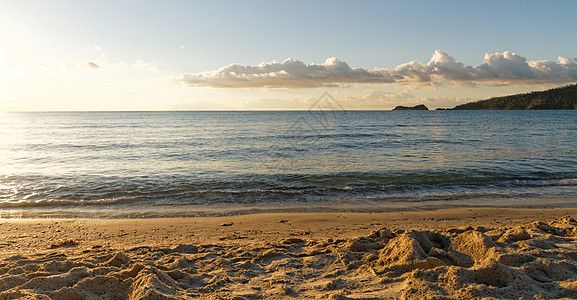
[180, 164]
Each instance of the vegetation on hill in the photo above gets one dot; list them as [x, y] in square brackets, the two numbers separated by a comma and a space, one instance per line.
[558, 98]
[418, 107]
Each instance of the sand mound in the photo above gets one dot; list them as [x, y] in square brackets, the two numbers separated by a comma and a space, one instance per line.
[537, 260]
[533, 261]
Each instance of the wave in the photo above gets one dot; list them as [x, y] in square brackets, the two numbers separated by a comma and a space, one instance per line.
[64, 203]
[42, 191]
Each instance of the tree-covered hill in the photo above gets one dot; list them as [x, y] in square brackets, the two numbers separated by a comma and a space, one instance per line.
[418, 107]
[558, 98]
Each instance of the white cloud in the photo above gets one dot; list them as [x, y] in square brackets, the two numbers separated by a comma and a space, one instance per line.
[566, 68]
[144, 66]
[413, 71]
[48, 67]
[121, 65]
[496, 69]
[92, 65]
[69, 65]
[288, 74]
[100, 63]
[94, 48]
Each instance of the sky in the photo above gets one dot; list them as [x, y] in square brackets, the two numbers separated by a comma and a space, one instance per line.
[278, 55]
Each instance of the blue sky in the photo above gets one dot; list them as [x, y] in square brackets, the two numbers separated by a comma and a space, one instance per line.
[164, 55]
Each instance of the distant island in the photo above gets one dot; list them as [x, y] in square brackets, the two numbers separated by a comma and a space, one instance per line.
[558, 98]
[418, 107]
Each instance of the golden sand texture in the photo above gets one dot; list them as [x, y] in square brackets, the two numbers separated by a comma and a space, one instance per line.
[530, 260]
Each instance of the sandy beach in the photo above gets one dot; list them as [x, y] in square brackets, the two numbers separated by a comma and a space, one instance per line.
[443, 254]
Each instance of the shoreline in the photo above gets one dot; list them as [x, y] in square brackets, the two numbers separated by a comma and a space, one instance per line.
[270, 226]
[230, 210]
[288, 255]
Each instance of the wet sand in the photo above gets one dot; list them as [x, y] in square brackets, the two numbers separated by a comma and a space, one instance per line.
[441, 254]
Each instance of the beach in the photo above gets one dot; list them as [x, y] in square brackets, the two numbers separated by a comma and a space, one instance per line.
[258, 150]
[440, 254]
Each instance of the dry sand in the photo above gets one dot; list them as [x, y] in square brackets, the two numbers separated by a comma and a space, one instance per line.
[443, 254]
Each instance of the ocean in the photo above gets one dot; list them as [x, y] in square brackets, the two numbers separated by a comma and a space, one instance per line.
[196, 164]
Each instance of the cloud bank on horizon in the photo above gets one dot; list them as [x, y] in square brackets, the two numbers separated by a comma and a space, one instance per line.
[497, 69]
